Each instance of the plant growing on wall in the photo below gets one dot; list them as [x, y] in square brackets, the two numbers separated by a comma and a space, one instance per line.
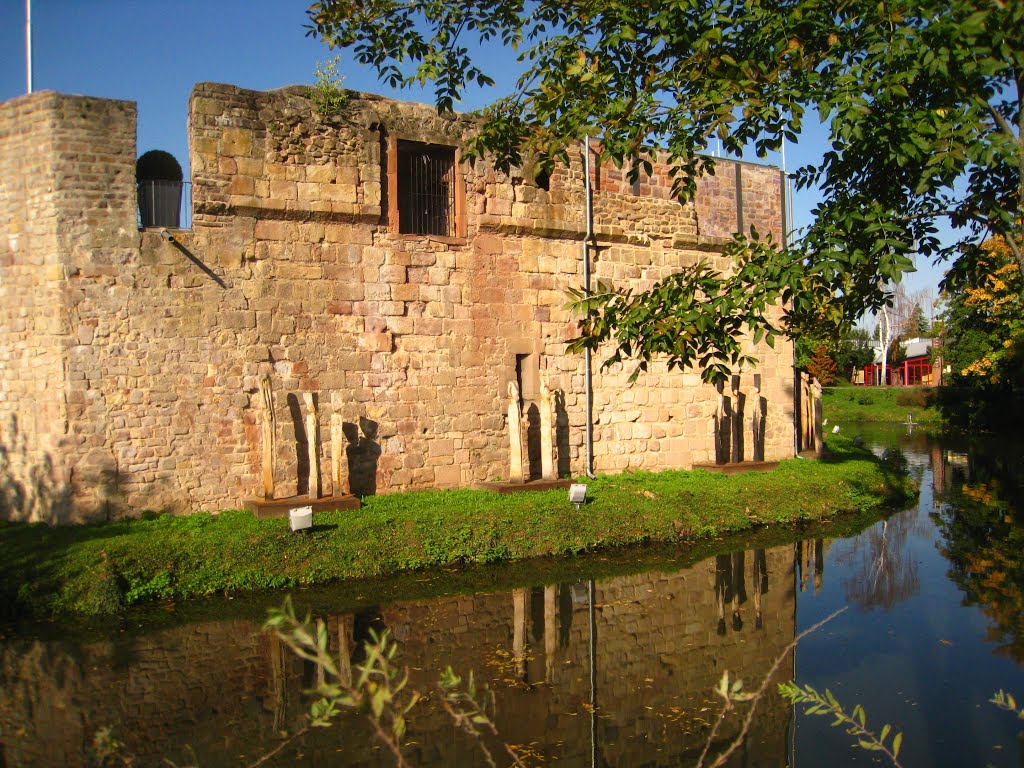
[327, 95]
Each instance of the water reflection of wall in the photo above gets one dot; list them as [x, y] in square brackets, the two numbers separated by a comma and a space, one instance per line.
[659, 641]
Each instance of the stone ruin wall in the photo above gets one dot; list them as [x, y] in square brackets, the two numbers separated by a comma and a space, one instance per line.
[224, 688]
[291, 268]
[67, 220]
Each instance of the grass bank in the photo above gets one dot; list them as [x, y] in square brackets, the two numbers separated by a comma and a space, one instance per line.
[888, 405]
[102, 568]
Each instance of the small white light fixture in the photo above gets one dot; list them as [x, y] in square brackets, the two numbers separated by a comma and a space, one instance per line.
[300, 518]
[577, 494]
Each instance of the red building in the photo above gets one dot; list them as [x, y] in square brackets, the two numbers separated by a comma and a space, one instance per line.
[918, 368]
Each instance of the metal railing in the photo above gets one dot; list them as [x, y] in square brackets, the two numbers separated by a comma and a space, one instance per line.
[164, 204]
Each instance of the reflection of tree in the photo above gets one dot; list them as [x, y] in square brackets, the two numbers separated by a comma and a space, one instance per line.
[887, 574]
[985, 546]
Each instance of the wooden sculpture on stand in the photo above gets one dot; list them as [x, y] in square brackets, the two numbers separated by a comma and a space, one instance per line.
[547, 417]
[267, 427]
[515, 434]
[337, 454]
[313, 444]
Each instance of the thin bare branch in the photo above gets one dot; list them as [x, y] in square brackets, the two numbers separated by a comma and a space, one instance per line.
[722, 758]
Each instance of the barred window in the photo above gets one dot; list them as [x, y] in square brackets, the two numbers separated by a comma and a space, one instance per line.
[426, 189]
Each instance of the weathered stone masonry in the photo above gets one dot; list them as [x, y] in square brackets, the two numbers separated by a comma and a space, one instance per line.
[131, 364]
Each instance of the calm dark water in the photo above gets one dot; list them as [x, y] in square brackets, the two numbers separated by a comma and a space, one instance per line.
[612, 665]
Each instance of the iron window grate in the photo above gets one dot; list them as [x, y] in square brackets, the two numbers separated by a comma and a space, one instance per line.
[426, 189]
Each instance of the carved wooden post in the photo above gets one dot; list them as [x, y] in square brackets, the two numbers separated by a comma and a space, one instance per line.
[338, 464]
[736, 422]
[720, 457]
[756, 415]
[267, 424]
[819, 442]
[547, 453]
[313, 438]
[344, 653]
[805, 413]
[515, 434]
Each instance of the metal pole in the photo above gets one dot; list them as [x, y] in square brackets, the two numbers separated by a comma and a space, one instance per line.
[588, 376]
[593, 674]
[28, 44]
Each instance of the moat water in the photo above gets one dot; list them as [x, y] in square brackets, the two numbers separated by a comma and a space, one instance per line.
[598, 661]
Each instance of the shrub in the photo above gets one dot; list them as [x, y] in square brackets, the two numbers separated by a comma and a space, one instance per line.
[327, 95]
[918, 397]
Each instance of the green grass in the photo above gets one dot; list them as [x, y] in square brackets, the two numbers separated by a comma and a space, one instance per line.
[842, 405]
[102, 568]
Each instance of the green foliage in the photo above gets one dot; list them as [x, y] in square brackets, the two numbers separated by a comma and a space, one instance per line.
[855, 723]
[107, 751]
[983, 539]
[378, 691]
[917, 324]
[472, 711]
[693, 318]
[327, 95]
[1006, 702]
[848, 350]
[731, 692]
[821, 366]
[919, 100]
[918, 397]
[983, 328]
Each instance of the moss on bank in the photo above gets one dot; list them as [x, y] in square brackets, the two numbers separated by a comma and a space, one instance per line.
[101, 568]
[889, 405]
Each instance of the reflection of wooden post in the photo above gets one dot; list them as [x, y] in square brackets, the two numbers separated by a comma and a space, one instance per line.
[515, 434]
[313, 438]
[550, 631]
[267, 423]
[278, 683]
[736, 422]
[320, 676]
[337, 453]
[519, 631]
[344, 655]
[547, 453]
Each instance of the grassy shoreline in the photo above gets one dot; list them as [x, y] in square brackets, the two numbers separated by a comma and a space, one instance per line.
[102, 568]
[889, 405]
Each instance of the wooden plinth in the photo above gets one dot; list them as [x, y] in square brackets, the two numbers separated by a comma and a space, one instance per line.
[737, 468]
[281, 507]
[530, 485]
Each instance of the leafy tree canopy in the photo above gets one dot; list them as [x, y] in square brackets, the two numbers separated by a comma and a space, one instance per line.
[922, 101]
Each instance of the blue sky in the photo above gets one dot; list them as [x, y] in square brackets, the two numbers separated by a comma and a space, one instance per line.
[153, 52]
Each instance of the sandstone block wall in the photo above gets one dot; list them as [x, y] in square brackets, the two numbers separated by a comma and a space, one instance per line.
[68, 224]
[295, 268]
